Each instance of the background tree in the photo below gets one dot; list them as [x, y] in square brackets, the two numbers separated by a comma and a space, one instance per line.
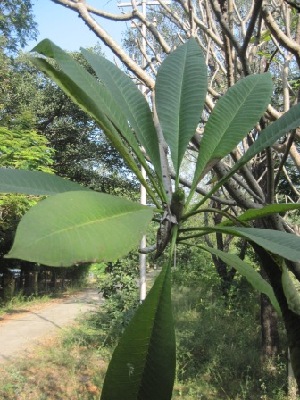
[82, 153]
[17, 24]
[40, 125]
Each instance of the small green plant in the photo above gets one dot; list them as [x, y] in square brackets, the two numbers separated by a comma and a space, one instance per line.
[75, 225]
[119, 288]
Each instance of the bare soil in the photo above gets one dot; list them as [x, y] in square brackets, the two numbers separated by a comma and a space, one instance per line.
[21, 329]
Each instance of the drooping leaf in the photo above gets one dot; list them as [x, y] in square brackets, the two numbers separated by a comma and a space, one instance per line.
[91, 96]
[80, 226]
[291, 288]
[233, 117]
[34, 182]
[252, 276]
[255, 213]
[129, 99]
[143, 363]
[180, 91]
[285, 244]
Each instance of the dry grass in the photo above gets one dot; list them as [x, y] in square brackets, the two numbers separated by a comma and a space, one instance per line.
[53, 371]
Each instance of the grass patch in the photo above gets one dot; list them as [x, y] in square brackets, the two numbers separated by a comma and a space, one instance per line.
[20, 301]
[56, 369]
[218, 351]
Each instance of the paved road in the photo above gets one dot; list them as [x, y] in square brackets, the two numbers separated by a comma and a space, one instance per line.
[20, 332]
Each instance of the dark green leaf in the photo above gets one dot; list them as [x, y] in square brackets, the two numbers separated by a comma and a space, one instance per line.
[90, 95]
[131, 101]
[286, 245]
[143, 363]
[255, 213]
[291, 288]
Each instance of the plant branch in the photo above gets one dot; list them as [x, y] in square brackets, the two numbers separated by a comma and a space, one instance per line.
[82, 9]
[288, 43]
[251, 26]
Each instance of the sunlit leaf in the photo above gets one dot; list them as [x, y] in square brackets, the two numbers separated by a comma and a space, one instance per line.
[287, 122]
[80, 226]
[92, 96]
[180, 91]
[233, 117]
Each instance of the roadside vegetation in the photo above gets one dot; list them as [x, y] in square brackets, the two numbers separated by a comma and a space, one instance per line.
[218, 341]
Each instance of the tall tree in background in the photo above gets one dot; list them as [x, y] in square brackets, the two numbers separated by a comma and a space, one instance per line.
[17, 24]
[41, 129]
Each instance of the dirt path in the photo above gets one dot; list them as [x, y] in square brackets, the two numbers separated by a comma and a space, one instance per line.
[28, 326]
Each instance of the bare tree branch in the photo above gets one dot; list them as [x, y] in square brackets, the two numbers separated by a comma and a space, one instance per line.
[282, 38]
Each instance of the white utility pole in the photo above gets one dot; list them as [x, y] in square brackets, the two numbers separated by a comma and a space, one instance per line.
[143, 200]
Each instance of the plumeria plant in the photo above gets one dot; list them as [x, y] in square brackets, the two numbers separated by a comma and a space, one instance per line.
[74, 224]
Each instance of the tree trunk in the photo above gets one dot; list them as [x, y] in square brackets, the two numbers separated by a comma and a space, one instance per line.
[269, 329]
[9, 286]
[291, 320]
[292, 384]
[53, 279]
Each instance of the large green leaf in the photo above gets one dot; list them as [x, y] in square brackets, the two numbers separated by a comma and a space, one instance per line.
[255, 213]
[143, 363]
[80, 226]
[180, 91]
[129, 99]
[285, 244]
[252, 276]
[91, 96]
[287, 122]
[232, 118]
[34, 182]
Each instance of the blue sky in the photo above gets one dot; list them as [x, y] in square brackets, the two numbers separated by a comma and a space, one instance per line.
[65, 29]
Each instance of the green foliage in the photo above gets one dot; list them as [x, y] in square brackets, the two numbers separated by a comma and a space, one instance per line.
[119, 277]
[291, 288]
[287, 122]
[119, 284]
[277, 242]
[34, 183]
[16, 23]
[183, 95]
[255, 213]
[245, 269]
[218, 346]
[99, 226]
[97, 101]
[137, 361]
[25, 149]
[80, 226]
[133, 102]
[231, 119]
